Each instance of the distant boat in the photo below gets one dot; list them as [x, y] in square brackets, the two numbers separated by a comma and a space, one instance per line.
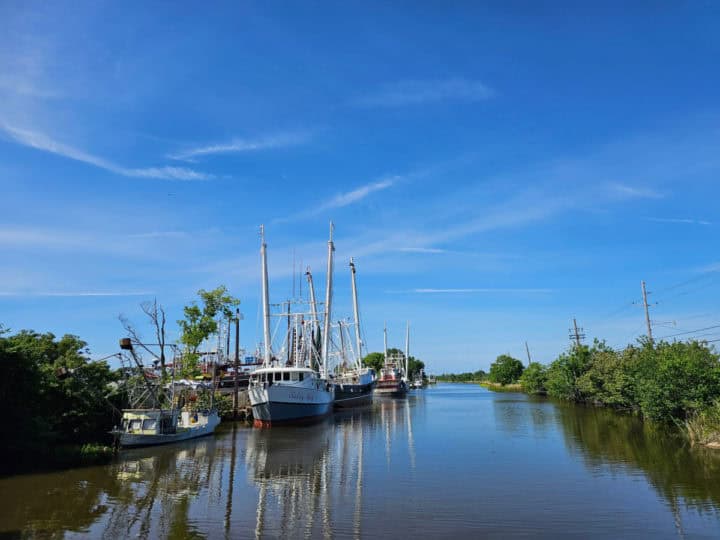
[292, 390]
[392, 380]
[354, 386]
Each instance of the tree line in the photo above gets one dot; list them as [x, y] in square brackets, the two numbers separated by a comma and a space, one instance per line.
[60, 404]
[376, 361]
[676, 383]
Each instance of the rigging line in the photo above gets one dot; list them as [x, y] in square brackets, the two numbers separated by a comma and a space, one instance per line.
[690, 331]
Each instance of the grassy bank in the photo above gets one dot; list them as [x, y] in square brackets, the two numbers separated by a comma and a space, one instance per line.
[497, 387]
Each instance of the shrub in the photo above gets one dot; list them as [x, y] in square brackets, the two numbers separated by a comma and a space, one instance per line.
[533, 378]
[505, 370]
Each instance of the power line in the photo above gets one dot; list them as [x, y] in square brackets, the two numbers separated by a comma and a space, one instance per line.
[691, 331]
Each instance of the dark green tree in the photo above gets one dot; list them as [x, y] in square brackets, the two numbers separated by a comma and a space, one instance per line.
[374, 360]
[505, 370]
[533, 378]
[200, 322]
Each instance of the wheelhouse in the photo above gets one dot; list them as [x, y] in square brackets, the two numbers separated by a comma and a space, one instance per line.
[287, 375]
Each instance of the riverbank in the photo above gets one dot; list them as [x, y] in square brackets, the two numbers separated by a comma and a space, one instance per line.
[497, 387]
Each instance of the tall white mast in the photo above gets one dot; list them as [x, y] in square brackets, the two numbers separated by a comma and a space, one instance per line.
[356, 312]
[385, 340]
[266, 298]
[313, 312]
[407, 349]
[328, 303]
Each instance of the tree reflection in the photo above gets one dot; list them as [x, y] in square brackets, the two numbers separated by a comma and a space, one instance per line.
[679, 473]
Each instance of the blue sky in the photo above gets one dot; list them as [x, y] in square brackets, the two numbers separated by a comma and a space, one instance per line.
[495, 169]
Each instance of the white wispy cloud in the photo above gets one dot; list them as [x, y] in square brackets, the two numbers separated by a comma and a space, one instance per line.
[358, 194]
[238, 145]
[43, 142]
[476, 290]
[635, 192]
[426, 91]
[680, 220]
[344, 199]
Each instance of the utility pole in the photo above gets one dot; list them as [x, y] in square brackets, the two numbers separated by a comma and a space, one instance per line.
[576, 334]
[647, 313]
[527, 350]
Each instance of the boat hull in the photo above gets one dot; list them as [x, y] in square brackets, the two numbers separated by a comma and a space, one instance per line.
[391, 388]
[353, 395]
[280, 404]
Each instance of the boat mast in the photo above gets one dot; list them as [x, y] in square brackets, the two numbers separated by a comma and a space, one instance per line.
[407, 349]
[385, 340]
[265, 299]
[343, 356]
[328, 302]
[356, 313]
[313, 312]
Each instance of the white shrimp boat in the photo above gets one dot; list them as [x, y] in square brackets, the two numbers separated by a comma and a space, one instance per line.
[292, 390]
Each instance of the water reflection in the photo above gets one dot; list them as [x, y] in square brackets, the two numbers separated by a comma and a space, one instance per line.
[422, 466]
[606, 439]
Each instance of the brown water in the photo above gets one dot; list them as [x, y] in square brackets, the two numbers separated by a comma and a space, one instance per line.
[451, 461]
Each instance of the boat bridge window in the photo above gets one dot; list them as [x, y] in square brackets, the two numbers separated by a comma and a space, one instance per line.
[294, 376]
[278, 376]
[301, 375]
[149, 424]
[286, 376]
[135, 424]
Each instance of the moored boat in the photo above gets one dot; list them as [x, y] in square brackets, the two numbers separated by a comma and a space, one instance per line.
[148, 427]
[292, 390]
[282, 395]
[392, 380]
[354, 387]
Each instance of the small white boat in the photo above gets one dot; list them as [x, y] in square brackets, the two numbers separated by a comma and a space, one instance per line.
[149, 427]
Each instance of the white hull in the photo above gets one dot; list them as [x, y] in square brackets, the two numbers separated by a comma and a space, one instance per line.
[280, 402]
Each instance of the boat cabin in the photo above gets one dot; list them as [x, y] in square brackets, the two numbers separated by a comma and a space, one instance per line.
[287, 375]
[149, 421]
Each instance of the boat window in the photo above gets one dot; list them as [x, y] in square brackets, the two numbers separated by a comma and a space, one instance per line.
[135, 424]
[149, 424]
[301, 375]
[286, 376]
[278, 376]
[264, 377]
[294, 375]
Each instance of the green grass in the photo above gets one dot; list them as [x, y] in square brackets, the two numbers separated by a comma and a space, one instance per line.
[703, 428]
[497, 387]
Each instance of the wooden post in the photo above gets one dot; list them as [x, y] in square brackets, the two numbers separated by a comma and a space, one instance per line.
[237, 364]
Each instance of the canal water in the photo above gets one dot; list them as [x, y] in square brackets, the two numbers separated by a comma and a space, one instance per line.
[450, 461]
